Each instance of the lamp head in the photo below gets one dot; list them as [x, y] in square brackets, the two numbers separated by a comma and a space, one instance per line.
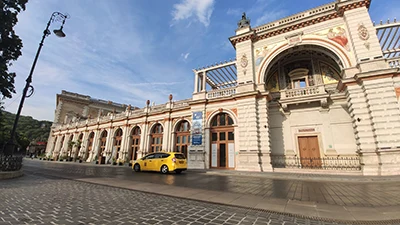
[59, 32]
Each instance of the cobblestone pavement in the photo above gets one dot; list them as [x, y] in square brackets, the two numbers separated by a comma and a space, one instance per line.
[35, 199]
[367, 194]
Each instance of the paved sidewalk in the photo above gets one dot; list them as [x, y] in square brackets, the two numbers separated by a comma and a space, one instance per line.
[361, 201]
[311, 175]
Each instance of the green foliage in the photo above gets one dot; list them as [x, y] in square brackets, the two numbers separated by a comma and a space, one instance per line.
[28, 129]
[10, 43]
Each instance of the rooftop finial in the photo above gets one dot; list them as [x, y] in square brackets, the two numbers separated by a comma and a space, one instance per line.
[244, 22]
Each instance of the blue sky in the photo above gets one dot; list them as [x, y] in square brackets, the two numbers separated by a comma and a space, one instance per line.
[128, 51]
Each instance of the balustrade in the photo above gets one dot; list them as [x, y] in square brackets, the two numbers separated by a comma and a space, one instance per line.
[221, 93]
[299, 92]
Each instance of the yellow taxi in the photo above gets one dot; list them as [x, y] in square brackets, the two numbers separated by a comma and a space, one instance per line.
[164, 162]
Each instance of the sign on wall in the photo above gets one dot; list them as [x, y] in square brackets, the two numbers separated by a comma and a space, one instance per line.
[231, 155]
[214, 155]
[197, 128]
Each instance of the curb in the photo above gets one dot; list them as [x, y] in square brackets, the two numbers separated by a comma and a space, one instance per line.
[11, 174]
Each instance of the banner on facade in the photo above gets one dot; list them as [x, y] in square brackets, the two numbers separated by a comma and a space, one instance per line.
[197, 128]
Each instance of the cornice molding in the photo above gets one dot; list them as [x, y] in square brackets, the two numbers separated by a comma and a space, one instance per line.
[337, 12]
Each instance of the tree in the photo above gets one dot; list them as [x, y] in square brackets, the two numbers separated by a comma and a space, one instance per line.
[10, 44]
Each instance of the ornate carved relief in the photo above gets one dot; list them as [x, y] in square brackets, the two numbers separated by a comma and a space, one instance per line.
[294, 39]
[363, 34]
[243, 61]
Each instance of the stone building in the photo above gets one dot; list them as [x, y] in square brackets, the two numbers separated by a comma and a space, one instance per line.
[318, 90]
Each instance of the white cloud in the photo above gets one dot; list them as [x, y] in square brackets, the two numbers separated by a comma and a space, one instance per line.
[235, 12]
[269, 17]
[200, 9]
[186, 55]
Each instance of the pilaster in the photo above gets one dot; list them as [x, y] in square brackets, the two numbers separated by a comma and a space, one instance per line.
[125, 138]
[95, 147]
[264, 134]
[248, 157]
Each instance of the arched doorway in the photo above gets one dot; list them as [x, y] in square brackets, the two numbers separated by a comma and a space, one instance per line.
[135, 143]
[103, 140]
[182, 137]
[156, 138]
[90, 145]
[222, 142]
[117, 143]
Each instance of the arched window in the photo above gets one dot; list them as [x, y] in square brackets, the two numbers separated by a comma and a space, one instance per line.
[222, 119]
[135, 143]
[182, 137]
[103, 140]
[156, 138]
[117, 141]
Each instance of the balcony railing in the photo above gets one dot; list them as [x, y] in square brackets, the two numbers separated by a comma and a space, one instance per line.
[326, 163]
[394, 63]
[221, 93]
[299, 92]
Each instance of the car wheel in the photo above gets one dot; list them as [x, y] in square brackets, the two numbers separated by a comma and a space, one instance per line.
[164, 169]
[178, 171]
[136, 167]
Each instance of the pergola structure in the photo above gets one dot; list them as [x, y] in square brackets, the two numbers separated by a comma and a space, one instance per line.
[389, 38]
[218, 76]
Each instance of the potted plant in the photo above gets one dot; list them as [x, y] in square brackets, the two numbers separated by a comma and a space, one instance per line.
[114, 162]
[120, 162]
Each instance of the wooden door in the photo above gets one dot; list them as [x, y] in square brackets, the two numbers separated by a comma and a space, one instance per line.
[221, 157]
[309, 152]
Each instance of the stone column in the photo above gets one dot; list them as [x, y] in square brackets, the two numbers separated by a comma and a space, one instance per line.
[144, 140]
[124, 149]
[95, 146]
[57, 148]
[203, 81]
[109, 145]
[74, 147]
[196, 83]
[166, 135]
[50, 144]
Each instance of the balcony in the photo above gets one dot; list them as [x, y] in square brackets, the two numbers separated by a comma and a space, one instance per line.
[221, 93]
[304, 95]
[301, 92]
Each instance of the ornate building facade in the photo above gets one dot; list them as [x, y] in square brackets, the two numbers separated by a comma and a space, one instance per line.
[318, 90]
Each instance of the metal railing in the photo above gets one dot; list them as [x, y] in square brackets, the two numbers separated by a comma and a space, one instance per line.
[326, 163]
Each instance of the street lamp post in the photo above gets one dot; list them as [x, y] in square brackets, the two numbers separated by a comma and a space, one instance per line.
[9, 147]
